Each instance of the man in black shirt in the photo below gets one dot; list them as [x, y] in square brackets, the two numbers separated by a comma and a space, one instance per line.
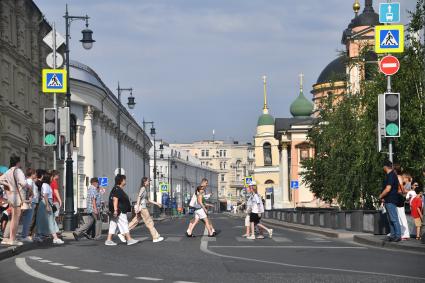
[119, 205]
[390, 197]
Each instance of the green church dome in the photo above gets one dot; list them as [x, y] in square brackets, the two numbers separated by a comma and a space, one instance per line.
[301, 107]
[265, 119]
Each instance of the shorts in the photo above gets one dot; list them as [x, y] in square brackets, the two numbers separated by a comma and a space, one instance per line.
[247, 221]
[13, 198]
[200, 213]
[254, 217]
[418, 222]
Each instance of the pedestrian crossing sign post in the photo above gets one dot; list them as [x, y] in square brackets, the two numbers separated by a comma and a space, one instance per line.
[248, 180]
[54, 81]
[163, 187]
[389, 39]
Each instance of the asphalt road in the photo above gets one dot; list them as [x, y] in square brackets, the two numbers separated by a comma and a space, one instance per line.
[291, 256]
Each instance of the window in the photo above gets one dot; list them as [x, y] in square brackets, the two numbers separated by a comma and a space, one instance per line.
[221, 153]
[222, 177]
[224, 153]
[267, 150]
[203, 153]
[304, 154]
[207, 152]
[224, 165]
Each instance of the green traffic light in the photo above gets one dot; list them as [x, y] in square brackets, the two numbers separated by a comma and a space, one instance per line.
[50, 139]
[391, 129]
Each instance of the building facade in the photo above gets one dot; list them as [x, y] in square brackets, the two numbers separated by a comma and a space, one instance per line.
[183, 173]
[232, 161]
[94, 134]
[22, 57]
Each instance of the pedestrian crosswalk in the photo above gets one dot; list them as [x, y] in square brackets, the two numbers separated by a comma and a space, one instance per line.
[277, 239]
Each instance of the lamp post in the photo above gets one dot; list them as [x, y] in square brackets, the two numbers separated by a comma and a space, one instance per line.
[153, 133]
[87, 41]
[131, 105]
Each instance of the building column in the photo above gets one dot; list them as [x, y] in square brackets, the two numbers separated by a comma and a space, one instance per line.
[283, 199]
[88, 142]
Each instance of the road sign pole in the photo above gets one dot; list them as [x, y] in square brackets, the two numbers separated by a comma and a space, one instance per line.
[54, 94]
[390, 141]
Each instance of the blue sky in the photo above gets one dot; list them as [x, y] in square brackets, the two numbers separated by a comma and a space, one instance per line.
[196, 65]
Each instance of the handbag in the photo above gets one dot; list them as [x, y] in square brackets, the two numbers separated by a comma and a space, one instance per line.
[54, 208]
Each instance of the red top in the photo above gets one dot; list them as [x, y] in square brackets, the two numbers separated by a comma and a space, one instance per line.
[416, 203]
[54, 185]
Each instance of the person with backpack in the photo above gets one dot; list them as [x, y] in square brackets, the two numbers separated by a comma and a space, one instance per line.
[119, 206]
[14, 182]
[142, 211]
[257, 208]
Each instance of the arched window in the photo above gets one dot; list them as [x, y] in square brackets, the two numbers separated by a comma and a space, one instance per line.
[267, 150]
[269, 182]
[73, 129]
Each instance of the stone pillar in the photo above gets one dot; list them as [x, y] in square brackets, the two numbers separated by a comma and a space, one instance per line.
[284, 172]
[88, 142]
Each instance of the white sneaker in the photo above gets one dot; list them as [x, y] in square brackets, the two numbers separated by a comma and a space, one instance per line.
[110, 243]
[159, 239]
[58, 241]
[260, 237]
[252, 237]
[5, 241]
[15, 243]
[270, 233]
[122, 238]
[132, 242]
[27, 240]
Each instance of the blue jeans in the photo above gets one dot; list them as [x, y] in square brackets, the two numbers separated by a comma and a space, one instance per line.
[395, 228]
[26, 220]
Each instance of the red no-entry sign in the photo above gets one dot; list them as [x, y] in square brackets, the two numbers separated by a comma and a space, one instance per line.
[389, 65]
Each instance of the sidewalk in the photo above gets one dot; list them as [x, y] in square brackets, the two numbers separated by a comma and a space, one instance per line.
[361, 238]
[10, 251]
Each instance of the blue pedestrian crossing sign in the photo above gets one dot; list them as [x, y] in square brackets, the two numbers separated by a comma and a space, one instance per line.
[163, 187]
[248, 180]
[295, 184]
[54, 80]
[389, 39]
[389, 13]
[103, 181]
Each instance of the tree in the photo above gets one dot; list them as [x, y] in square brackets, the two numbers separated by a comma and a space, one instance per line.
[346, 166]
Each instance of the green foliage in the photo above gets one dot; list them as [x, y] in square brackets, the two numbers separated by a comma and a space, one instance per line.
[347, 166]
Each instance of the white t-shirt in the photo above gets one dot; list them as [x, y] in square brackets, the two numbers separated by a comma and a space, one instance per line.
[46, 190]
[255, 202]
[410, 196]
[34, 190]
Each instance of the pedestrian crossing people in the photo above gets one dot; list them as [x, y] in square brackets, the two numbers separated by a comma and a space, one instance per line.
[255, 216]
[119, 206]
[142, 211]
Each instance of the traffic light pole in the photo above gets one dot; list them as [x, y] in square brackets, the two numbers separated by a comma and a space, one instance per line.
[390, 140]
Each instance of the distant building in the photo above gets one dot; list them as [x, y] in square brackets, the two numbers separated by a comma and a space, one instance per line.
[94, 134]
[183, 173]
[233, 161]
[344, 74]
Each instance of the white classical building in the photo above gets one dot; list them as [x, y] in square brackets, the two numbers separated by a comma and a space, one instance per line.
[183, 173]
[94, 132]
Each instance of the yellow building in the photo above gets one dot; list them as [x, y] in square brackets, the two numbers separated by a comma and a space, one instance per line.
[266, 171]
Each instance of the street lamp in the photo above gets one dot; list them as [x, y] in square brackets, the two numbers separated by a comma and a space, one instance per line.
[153, 133]
[87, 41]
[131, 105]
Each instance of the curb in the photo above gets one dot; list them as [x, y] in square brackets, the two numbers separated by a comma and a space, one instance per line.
[303, 228]
[388, 245]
